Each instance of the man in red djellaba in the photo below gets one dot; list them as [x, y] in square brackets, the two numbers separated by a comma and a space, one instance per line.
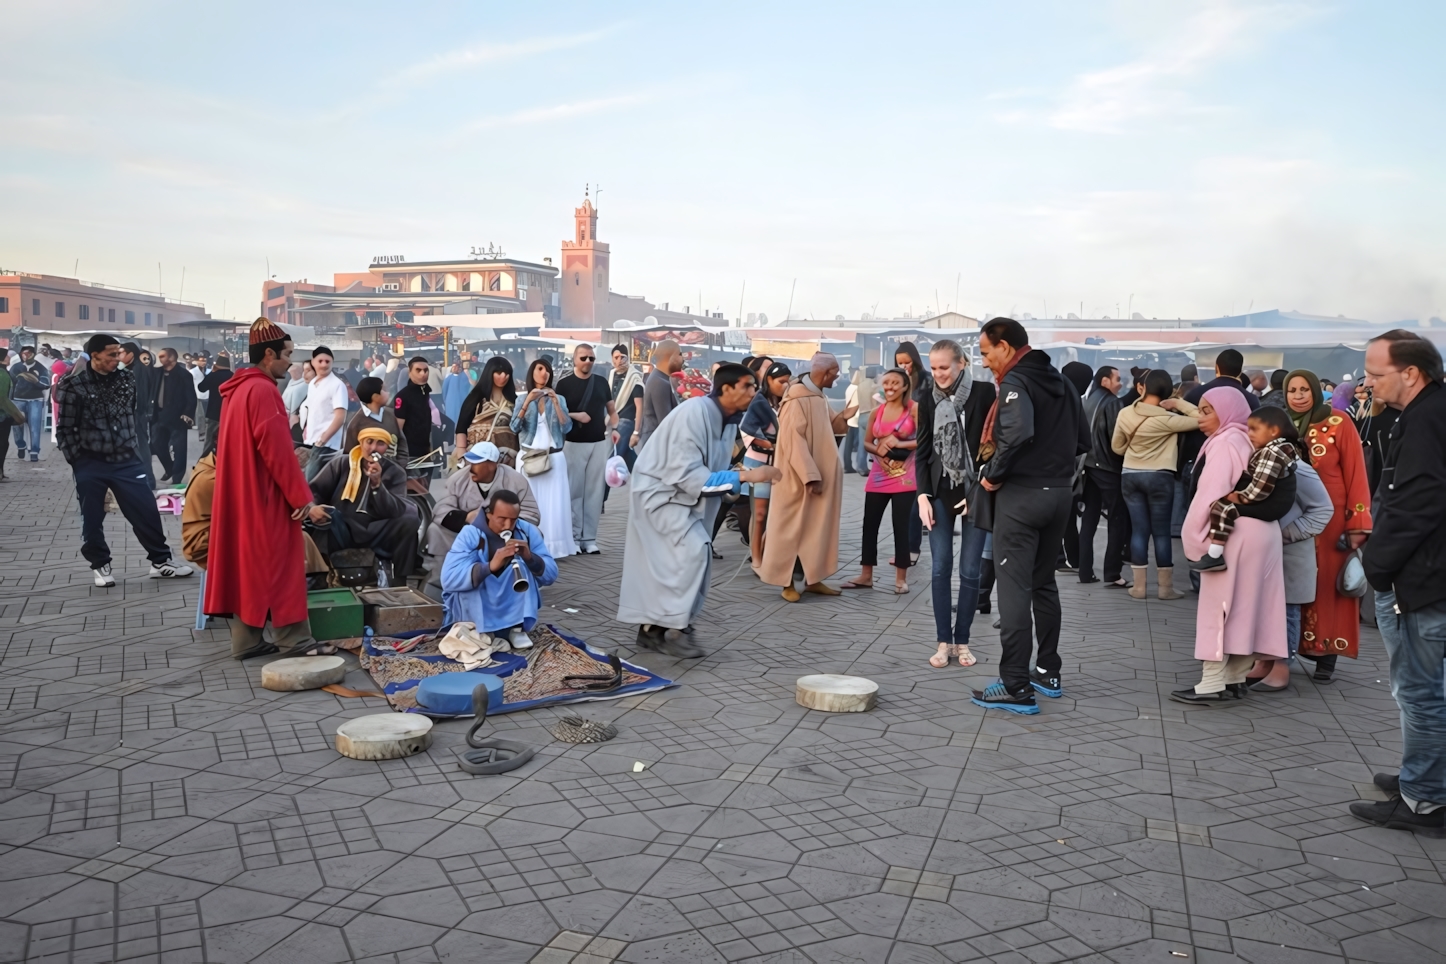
[256, 572]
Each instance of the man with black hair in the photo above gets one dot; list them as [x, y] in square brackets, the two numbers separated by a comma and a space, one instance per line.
[174, 414]
[1030, 441]
[673, 500]
[1189, 379]
[1228, 365]
[324, 411]
[145, 376]
[255, 558]
[375, 411]
[1275, 398]
[29, 381]
[491, 556]
[1103, 467]
[413, 407]
[95, 431]
[1405, 561]
[209, 386]
[627, 384]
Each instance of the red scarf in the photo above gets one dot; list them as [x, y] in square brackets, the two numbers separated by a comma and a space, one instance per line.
[986, 438]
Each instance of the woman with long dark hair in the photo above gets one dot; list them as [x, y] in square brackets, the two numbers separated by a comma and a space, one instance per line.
[921, 386]
[541, 423]
[486, 414]
[891, 437]
[760, 428]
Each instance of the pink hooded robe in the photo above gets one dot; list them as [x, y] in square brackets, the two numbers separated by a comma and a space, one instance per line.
[1242, 610]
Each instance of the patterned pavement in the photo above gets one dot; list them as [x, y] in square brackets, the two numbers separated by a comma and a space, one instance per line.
[157, 805]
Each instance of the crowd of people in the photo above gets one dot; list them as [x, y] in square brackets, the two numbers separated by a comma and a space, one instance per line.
[1294, 498]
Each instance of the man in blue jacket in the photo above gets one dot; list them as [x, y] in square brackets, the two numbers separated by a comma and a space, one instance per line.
[1405, 560]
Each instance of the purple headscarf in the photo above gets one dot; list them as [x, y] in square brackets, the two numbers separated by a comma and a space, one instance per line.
[1343, 396]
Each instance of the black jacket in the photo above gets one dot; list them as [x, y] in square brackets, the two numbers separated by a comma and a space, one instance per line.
[1101, 410]
[928, 472]
[1407, 547]
[1040, 428]
[1192, 442]
[388, 501]
[175, 396]
[214, 379]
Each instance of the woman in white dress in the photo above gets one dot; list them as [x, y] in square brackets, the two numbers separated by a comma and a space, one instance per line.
[538, 422]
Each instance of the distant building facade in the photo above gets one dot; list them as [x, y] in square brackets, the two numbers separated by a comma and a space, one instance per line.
[49, 303]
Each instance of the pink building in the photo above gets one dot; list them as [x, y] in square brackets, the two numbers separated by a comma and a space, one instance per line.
[47, 304]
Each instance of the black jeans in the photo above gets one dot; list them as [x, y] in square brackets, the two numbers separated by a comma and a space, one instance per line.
[874, 505]
[168, 442]
[1028, 526]
[1101, 495]
[136, 501]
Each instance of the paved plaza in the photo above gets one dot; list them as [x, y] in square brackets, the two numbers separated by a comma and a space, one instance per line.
[158, 805]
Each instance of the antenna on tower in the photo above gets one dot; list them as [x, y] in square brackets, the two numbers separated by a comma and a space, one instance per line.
[585, 187]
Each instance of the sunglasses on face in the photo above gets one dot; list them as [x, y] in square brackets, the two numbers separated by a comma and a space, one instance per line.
[587, 358]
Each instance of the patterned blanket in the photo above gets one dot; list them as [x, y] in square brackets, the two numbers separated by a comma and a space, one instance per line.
[530, 678]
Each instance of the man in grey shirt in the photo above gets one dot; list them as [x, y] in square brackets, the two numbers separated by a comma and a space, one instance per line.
[659, 395]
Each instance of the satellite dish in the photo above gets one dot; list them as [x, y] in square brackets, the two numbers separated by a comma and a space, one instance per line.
[650, 320]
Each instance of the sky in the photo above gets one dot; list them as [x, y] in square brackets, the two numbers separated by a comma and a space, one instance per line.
[1175, 159]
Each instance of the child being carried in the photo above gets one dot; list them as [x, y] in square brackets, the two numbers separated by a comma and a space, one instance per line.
[1266, 490]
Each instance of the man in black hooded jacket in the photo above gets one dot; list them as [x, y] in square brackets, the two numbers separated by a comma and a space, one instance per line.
[1036, 434]
[1102, 481]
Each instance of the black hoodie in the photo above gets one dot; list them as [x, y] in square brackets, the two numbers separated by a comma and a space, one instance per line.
[1040, 428]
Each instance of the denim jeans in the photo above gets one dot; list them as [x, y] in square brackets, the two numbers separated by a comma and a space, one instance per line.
[971, 553]
[1416, 645]
[624, 446]
[34, 411]
[853, 441]
[1292, 630]
[1151, 498]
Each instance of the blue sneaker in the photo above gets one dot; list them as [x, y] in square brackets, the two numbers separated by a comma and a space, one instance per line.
[996, 697]
[1045, 683]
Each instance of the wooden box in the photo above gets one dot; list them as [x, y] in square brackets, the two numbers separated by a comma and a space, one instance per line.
[393, 611]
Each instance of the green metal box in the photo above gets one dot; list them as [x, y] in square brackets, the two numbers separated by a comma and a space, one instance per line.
[335, 613]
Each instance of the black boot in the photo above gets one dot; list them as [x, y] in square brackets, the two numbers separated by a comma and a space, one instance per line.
[986, 584]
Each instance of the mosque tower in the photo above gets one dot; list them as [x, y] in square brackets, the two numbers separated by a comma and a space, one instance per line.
[584, 279]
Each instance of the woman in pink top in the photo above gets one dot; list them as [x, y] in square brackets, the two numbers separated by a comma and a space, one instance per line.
[891, 439]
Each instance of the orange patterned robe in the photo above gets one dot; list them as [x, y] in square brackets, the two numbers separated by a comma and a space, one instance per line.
[1331, 626]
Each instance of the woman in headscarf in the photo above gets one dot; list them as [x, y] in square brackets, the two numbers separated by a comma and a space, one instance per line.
[1331, 626]
[486, 414]
[1343, 396]
[1241, 614]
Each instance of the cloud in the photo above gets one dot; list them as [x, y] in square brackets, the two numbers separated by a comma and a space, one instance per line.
[1106, 101]
[483, 54]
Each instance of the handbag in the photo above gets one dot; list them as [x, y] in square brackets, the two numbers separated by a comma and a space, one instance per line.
[1351, 582]
[354, 567]
[534, 462]
[980, 510]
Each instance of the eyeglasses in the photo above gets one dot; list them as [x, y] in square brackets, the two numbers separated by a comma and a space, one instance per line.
[587, 358]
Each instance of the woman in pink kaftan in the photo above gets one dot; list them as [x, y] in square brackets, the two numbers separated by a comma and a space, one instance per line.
[1241, 615]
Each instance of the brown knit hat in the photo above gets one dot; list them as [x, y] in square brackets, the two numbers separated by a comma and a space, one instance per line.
[264, 330]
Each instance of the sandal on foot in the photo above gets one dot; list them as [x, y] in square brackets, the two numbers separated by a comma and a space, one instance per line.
[901, 590]
[941, 659]
[855, 584]
[966, 658]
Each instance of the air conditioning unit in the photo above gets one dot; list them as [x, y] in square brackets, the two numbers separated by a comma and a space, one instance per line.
[390, 286]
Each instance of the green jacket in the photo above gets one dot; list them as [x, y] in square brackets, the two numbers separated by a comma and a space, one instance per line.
[7, 407]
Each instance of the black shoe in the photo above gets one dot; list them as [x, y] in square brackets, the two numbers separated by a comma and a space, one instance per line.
[1046, 683]
[262, 648]
[996, 623]
[677, 644]
[1209, 563]
[1389, 782]
[1188, 695]
[996, 696]
[1260, 686]
[1396, 815]
[1321, 675]
[1241, 690]
[1088, 577]
[650, 637]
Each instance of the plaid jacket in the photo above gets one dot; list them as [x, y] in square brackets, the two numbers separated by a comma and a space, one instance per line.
[96, 417]
[1267, 467]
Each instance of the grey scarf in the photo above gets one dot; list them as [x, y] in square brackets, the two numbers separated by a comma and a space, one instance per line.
[949, 445]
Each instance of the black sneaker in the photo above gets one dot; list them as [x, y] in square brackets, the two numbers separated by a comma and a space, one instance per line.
[1388, 782]
[1396, 815]
[1046, 683]
[996, 697]
[1188, 695]
[1209, 563]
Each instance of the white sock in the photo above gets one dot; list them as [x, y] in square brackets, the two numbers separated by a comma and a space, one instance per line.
[1216, 550]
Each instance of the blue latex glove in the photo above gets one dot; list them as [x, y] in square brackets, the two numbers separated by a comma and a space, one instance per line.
[720, 482]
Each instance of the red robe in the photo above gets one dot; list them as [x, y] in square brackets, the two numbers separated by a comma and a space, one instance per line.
[255, 565]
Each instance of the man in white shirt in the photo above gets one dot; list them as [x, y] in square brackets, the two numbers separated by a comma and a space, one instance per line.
[324, 411]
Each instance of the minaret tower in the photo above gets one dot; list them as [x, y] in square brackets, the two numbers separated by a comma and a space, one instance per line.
[584, 280]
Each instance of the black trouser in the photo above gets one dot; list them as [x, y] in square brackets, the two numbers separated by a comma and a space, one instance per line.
[1069, 548]
[1102, 494]
[1028, 526]
[874, 505]
[394, 539]
[143, 449]
[168, 442]
[134, 497]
